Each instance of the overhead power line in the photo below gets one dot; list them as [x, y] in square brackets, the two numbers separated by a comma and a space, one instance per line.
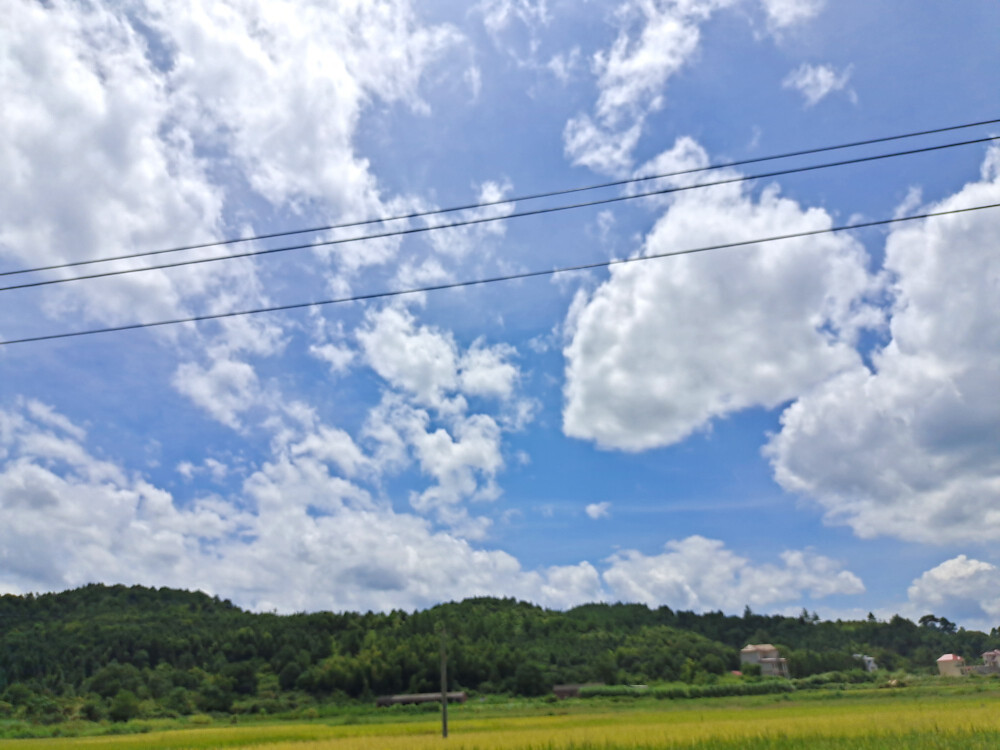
[503, 201]
[496, 279]
[488, 219]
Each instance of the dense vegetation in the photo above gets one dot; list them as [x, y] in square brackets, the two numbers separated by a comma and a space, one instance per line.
[112, 652]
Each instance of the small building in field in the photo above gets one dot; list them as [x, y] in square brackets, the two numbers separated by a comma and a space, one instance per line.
[950, 665]
[867, 661]
[991, 659]
[772, 664]
[395, 700]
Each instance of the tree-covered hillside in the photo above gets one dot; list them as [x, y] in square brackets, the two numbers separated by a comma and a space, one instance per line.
[111, 651]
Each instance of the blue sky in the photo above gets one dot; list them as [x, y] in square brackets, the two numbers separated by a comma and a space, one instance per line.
[811, 423]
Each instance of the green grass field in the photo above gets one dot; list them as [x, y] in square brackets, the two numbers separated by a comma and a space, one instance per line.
[860, 719]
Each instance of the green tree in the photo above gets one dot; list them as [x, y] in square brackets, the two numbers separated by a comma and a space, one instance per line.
[124, 706]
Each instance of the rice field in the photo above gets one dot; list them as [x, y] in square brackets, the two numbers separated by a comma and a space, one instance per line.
[966, 722]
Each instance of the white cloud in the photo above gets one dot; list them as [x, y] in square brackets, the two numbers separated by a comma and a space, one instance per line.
[633, 73]
[665, 346]
[908, 449]
[499, 14]
[816, 82]
[459, 242]
[70, 518]
[93, 163]
[426, 363]
[297, 538]
[599, 148]
[702, 575]
[564, 64]
[455, 460]
[784, 13]
[144, 129]
[420, 360]
[338, 357]
[631, 77]
[224, 389]
[486, 371]
[300, 537]
[598, 510]
[316, 68]
[961, 589]
[515, 27]
[426, 417]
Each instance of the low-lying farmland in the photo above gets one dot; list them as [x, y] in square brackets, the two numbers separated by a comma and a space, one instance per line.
[876, 720]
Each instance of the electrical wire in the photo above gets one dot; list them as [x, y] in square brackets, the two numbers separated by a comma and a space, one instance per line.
[516, 199]
[488, 219]
[496, 279]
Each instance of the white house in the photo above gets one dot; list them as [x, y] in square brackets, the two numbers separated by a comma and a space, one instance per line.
[772, 664]
[950, 665]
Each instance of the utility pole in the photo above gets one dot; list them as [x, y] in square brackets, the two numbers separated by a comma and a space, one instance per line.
[444, 685]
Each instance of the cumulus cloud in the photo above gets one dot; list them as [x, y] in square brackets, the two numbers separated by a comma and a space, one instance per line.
[702, 575]
[224, 389]
[300, 536]
[297, 536]
[93, 163]
[908, 448]
[816, 82]
[420, 360]
[109, 116]
[426, 416]
[70, 518]
[961, 589]
[666, 346]
[426, 363]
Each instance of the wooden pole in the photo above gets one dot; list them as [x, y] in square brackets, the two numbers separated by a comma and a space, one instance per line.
[444, 685]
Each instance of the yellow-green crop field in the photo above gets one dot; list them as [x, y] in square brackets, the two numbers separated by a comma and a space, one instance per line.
[959, 722]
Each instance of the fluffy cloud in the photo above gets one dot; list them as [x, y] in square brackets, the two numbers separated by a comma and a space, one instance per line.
[631, 77]
[87, 134]
[426, 363]
[70, 518]
[420, 360]
[784, 13]
[664, 347]
[657, 38]
[427, 414]
[298, 537]
[961, 589]
[148, 128]
[701, 574]
[815, 82]
[315, 68]
[224, 389]
[909, 447]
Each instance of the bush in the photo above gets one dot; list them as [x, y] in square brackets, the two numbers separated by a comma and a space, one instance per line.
[92, 710]
[125, 706]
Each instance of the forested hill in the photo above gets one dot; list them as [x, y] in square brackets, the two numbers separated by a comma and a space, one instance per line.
[189, 651]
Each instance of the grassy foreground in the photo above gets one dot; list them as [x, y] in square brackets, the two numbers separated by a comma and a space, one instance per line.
[970, 721]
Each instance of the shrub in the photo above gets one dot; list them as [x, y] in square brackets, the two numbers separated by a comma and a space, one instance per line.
[125, 706]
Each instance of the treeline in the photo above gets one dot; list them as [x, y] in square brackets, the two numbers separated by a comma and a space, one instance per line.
[115, 652]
